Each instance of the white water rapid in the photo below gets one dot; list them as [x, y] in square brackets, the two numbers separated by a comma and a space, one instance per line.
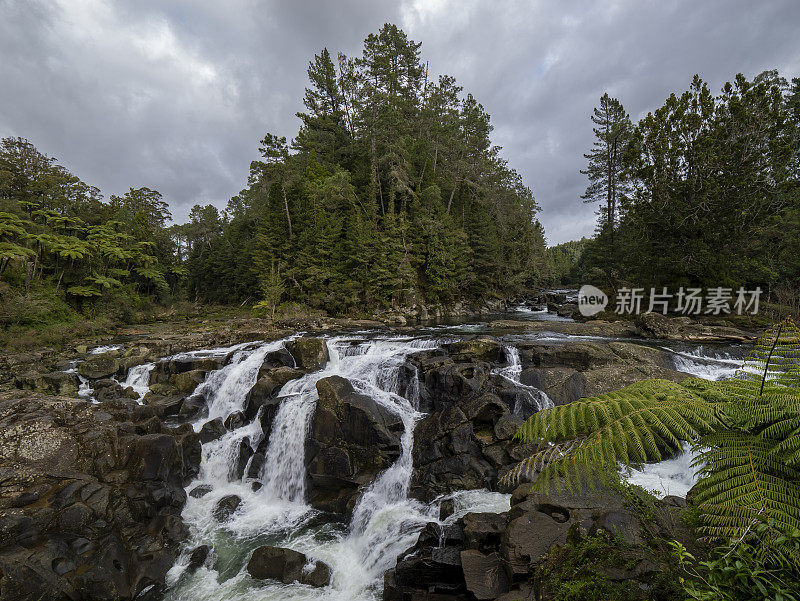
[138, 378]
[706, 363]
[385, 521]
[536, 399]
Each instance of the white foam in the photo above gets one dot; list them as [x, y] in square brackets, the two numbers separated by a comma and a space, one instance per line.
[671, 477]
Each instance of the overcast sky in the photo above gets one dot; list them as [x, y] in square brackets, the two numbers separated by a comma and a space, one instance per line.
[176, 95]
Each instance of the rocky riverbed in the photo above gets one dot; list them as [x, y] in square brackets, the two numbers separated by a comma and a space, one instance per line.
[158, 464]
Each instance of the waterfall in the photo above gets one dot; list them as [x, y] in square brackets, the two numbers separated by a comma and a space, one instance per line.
[85, 390]
[225, 389]
[385, 521]
[512, 372]
[139, 379]
[705, 363]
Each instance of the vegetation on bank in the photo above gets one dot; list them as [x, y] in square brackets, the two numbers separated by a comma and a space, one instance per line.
[746, 432]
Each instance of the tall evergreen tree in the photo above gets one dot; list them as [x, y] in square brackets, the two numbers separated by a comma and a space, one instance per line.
[606, 166]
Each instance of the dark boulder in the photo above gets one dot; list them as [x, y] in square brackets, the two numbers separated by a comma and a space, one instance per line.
[476, 349]
[484, 575]
[186, 382]
[164, 406]
[226, 507]
[200, 491]
[90, 498]
[310, 354]
[198, 556]
[275, 359]
[99, 366]
[192, 405]
[264, 391]
[351, 439]
[235, 421]
[244, 453]
[287, 566]
[57, 383]
[212, 430]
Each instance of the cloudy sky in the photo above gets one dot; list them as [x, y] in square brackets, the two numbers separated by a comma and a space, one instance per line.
[175, 95]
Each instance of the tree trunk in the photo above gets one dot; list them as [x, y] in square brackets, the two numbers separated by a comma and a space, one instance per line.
[452, 194]
[286, 208]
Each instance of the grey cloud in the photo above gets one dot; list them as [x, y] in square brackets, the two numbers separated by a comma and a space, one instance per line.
[176, 95]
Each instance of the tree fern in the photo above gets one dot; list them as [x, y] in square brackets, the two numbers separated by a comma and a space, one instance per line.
[746, 430]
[644, 422]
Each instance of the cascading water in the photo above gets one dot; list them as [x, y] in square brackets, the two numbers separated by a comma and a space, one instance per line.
[536, 399]
[704, 363]
[85, 390]
[671, 477]
[385, 521]
[225, 389]
[138, 378]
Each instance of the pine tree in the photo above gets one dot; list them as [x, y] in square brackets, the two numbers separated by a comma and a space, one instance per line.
[606, 168]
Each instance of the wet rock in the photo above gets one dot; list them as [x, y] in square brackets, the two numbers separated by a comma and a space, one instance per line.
[212, 430]
[191, 405]
[263, 394]
[431, 567]
[571, 371]
[484, 531]
[476, 349]
[318, 576]
[235, 420]
[245, 452]
[198, 556]
[448, 451]
[287, 566]
[351, 439]
[506, 426]
[107, 390]
[99, 366]
[446, 509]
[310, 354]
[187, 381]
[256, 465]
[200, 491]
[656, 325]
[90, 498]
[164, 405]
[276, 359]
[225, 507]
[567, 310]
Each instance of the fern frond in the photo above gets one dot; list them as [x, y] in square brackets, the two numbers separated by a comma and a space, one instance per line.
[742, 480]
[638, 424]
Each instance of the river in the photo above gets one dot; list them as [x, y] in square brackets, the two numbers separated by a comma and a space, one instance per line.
[385, 520]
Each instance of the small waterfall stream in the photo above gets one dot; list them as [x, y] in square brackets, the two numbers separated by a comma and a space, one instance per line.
[138, 378]
[512, 372]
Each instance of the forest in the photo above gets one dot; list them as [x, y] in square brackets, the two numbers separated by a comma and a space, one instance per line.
[702, 191]
[390, 194]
